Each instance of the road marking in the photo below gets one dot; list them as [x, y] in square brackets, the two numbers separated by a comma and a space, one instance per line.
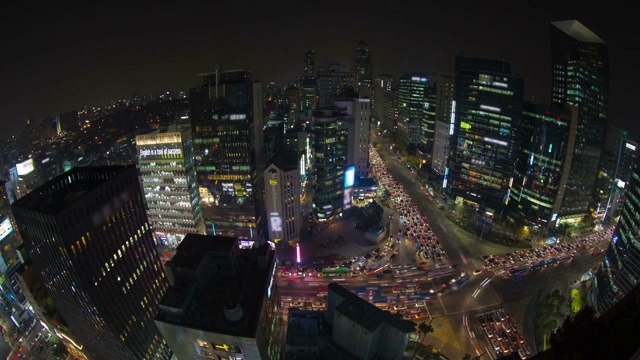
[475, 293]
[464, 259]
[486, 280]
[443, 228]
[485, 284]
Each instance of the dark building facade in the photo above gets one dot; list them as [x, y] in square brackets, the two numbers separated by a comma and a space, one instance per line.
[580, 77]
[226, 125]
[87, 233]
[547, 136]
[484, 145]
[364, 68]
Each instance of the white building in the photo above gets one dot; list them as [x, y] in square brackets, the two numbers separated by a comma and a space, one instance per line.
[444, 104]
[357, 114]
[282, 181]
[165, 160]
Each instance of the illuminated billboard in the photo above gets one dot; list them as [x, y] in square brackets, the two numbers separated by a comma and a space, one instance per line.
[349, 176]
[25, 168]
[5, 228]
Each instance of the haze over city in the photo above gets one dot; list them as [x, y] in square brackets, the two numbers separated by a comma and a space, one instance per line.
[62, 56]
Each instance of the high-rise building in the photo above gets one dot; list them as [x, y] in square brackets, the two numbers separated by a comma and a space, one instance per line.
[308, 99]
[329, 139]
[282, 177]
[381, 85]
[165, 160]
[412, 90]
[292, 101]
[69, 121]
[333, 83]
[364, 69]
[390, 119]
[444, 86]
[309, 64]
[87, 234]
[581, 78]
[483, 143]
[547, 136]
[356, 114]
[226, 124]
[223, 302]
[619, 271]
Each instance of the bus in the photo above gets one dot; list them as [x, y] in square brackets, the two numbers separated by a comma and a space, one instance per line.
[375, 267]
[441, 272]
[565, 257]
[458, 283]
[322, 292]
[367, 291]
[515, 271]
[400, 288]
[379, 299]
[537, 266]
[339, 271]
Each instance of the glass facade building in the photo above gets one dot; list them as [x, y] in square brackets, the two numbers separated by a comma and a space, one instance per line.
[330, 142]
[487, 113]
[547, 135]
[412, 110]
[88, 236]
[226, 125]
[580, 77]
[619, 271]
[165, 160]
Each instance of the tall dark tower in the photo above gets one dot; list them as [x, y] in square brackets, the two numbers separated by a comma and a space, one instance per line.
[226, 123]
[581, 78]
[487, 113]
[363, 67]
[89, 238]
[309, 64]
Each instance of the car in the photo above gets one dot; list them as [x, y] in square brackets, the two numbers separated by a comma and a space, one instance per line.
[296, 304]
[47, 337]
[317, 305]
[387, 271]
[477, 271]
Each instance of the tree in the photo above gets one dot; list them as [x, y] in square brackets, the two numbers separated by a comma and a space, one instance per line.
[424, 329]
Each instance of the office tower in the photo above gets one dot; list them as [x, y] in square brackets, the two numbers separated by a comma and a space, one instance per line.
[581, 78]
[619, 271]
[444, 85]
[356, 114]
[350, 328]
[424, 150]
[88, 236]
[364, 69]
[10, 261]
[412, 90]
[10, 154]
[329, 141]
[381, 85]
[547, 137]
[308, 100]
[25, 177]
[5, 206]
[390, 119]
[282, 178]
[165, 159]
[309, 64]
[226, 125]
[334, 82]
[293, 103]
[486, 120]
[222, 303]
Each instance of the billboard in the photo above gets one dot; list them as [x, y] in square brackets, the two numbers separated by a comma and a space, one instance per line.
[349, 176]
[5, 228]
[25, 168]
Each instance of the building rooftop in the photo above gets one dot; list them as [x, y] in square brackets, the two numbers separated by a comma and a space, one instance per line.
[285, 160]
[366, 314]
[217, 287]
[576, 30]
[62, 191]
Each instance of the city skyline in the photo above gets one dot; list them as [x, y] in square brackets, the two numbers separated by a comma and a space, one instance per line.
[59, 59]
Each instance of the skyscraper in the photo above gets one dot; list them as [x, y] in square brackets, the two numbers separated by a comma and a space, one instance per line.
[581, 78]
[165, 159]
[412, 93]
[283, 197]
[381, 85]
[547, 136]
[335, 82]
[329, 142]
[619, 271]
[483, 143]
[444, 85]
[87, 233]
[309, 64]
[356, 114]
[226, 123]
[364, 68]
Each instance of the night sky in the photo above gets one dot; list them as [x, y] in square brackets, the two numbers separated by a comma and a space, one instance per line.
[57, 56]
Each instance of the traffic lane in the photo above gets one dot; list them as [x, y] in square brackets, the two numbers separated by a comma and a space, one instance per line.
[557, 276]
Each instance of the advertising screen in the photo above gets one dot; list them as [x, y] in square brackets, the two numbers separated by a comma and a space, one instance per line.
[349, 176]
[5, 228]
[25, 168]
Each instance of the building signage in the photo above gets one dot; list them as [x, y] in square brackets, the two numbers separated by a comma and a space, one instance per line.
[5, 228]
[164, 152]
